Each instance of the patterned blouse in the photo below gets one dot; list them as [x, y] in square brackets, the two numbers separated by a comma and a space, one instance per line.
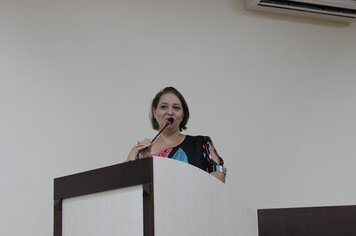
[195, 150]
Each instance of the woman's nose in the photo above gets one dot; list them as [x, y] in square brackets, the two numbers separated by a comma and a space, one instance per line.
[170, 111]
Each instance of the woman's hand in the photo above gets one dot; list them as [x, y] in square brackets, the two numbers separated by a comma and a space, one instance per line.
[143, 144]
[141, 148]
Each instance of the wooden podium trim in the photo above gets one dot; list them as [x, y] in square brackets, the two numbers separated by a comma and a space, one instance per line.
[117, 176]
[308, 221]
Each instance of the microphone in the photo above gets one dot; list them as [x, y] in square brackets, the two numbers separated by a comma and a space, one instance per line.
[169, 121]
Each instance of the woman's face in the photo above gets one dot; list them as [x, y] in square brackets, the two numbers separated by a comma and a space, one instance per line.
[169, 105]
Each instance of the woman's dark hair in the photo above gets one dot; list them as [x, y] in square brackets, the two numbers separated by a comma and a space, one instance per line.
[155, 102]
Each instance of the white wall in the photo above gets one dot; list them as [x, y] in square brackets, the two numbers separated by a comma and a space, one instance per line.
[275, 93]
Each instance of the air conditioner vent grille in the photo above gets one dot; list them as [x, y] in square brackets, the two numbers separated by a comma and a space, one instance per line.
[302, 5]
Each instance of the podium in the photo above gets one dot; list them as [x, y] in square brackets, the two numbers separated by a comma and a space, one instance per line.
[149, 197]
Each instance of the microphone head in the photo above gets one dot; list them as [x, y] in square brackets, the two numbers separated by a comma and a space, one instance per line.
[170, 120]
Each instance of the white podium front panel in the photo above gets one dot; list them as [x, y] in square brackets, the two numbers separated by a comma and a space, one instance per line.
[116, 212]
[191, 202]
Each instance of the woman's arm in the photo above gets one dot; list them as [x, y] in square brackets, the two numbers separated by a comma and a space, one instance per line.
[220, 172]
[132, 154]
[220, 176]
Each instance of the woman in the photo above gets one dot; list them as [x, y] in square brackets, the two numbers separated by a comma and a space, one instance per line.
[170, 114]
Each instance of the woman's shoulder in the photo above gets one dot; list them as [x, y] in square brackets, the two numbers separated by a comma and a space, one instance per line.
[197, 138]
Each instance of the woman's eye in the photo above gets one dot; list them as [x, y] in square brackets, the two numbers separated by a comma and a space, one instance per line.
[176, 108]
[163, 106]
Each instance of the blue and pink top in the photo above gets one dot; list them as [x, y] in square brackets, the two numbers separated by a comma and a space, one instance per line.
[195, 150]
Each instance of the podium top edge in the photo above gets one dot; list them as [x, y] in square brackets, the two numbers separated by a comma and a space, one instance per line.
[103, 179]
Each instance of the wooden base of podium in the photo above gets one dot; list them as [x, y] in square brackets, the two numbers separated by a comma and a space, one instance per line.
[308, 221]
